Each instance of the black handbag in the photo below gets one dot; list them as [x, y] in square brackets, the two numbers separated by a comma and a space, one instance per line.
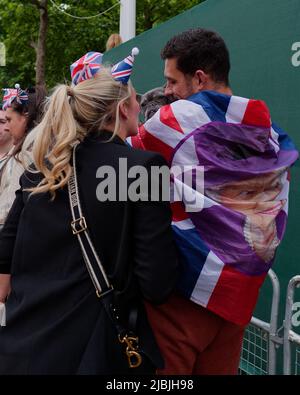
[141, 351]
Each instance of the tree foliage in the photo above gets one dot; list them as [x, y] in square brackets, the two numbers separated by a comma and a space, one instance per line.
[151, 13]
[67, 38]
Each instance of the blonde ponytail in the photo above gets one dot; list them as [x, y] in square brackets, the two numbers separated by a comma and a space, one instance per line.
[72, 112]
[54, 138]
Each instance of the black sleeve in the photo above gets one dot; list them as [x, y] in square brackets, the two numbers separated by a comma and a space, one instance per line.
[155, 259]
[9, 232]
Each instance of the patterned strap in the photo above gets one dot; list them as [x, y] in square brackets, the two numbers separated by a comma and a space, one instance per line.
[79, 228]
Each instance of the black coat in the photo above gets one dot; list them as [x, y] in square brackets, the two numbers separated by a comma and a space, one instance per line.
[54, 319]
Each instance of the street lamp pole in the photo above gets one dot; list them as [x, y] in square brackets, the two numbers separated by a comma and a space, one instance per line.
[127, 19]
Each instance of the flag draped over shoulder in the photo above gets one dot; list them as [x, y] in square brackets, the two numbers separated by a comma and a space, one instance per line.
[228, 245]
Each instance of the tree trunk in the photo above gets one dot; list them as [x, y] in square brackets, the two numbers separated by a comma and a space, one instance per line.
[41, 48]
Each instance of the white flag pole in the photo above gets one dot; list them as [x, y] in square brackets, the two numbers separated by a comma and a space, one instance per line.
[127, 19]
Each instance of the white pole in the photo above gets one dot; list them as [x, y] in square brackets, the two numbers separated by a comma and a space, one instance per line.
[127, 19]
[2, 55]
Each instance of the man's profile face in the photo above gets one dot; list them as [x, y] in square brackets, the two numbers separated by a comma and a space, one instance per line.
[178, 84]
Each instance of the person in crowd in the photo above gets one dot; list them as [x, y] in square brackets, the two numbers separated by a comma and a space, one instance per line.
[55, 322]
[113, 41]
[152, 100]
[22, 113]
[5, 139]
[229, 214]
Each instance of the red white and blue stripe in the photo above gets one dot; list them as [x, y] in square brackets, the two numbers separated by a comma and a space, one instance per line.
[86, 67]
[228, 245]
[122, 70]
[11, 94]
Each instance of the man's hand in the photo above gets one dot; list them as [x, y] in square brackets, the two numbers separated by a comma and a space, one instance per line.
[4, 286]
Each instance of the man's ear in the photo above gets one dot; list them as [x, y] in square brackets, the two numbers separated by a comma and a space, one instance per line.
[200, 79]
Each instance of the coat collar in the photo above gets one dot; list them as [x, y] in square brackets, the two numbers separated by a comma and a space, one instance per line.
[104, 136]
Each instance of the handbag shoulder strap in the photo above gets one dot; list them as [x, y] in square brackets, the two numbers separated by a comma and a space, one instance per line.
[79, 228]
[98, 275]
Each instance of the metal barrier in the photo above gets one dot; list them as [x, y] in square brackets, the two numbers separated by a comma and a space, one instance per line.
[261, 339]
[255, 350]
[289, 336]
[297, 362]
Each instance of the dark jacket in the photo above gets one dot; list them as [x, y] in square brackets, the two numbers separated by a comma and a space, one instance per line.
[52, 308]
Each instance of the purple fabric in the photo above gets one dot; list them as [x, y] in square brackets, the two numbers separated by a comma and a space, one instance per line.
[232, 152]
[222, 231]
[281, 221]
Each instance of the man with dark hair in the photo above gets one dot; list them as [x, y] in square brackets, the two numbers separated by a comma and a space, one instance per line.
[227, 243]
[196, 60]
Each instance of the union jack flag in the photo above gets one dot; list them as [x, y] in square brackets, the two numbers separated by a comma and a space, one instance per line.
[228, 245]
[85, 67]
[122, 70]
[11, 94]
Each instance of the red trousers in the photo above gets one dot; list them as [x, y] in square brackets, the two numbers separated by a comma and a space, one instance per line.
[194, 340]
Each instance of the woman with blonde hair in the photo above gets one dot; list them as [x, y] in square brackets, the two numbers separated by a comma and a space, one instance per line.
[113, 41]
[55, 321]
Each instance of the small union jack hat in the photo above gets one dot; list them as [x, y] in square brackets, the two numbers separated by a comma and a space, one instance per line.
[86, 67]
[11, 94]
[122, 70]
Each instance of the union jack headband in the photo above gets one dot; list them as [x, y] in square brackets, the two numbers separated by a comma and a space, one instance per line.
[86, 67]
[11, 94]
[122, 70]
